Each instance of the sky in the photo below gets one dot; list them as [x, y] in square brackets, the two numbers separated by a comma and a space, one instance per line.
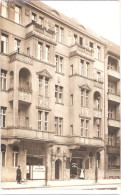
[103, 17]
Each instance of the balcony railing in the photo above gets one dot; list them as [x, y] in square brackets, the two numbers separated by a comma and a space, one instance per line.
[76, 48]
[114, 122]
[114, 97]
[114, 166]
[25, 95]
[113, 141]
[17, 56]
[97, 113]
[43, 102]
[114, 73]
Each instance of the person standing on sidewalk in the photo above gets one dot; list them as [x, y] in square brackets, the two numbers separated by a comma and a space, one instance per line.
[18, 174]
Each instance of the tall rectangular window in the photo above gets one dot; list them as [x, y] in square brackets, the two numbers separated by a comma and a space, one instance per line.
[17, 14]
[46, 87]
[39, 51]
[56, 93]
[87, 99]
[40, 85]
[72, 70]
[56, 125]
[98, 76]
[71, 99]
[71, 129]
[3, 116]
[3, 158]
[4, 12]
[3, 80]
[75, 38]
[15, 159]
[98, 52]
[47, 53]
[33, 17]
[82, 67]
[61, 35]
[82, 127]
[98, 130]
[41, 20]
[60, 94]
[81, 41]
[56, 33]
[91, 45]
[60, 64]
[39, 120]
[46, 121]
[82, 97]
[87, 69]
[4, 43]
[60, 126]
[56, 63]
[17, 45]
[87, 124]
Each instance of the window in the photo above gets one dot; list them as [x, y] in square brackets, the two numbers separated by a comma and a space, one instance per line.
[17, 14]
[71, 129]
[60, 64]
[17, 45]
[90, 162]
[87, 99]
[56, 93]
[82, 127]
[4, 9]
[91, 45]
[61, 35]
[47, 53]
[110, 113]
[39, 51]
[56, 125]
[56, 33]
[60, 126]
[98, 103]
[3, 158]
[98, 130]
[60, 94]
[87, 124]
[87, 69]
[3, 116]
[72, 70]
[82, 97]
[80, 40]
[4, 43]
[33, 17]
[56, 63]
[39, 120]
[41, 21]
[98, 76]
[15, 159]
[98, 52]
[82, 67]
[28, 51]
[71, 98]
[46, 87]
[75, 38]
[3, 80]
[40, 85]
[46, 121]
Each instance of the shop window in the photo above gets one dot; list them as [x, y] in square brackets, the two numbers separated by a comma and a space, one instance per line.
[87, 164]
[4, 43]
[17, 45]
[40, 51]
[4, 12]
[17, 14]
[3, 80]
[91, 165]
[15, 156]
[3, 116]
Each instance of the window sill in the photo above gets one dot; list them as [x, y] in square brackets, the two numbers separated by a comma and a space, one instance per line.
[59, 103]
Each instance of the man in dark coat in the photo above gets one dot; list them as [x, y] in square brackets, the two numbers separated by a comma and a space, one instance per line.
[18, 175]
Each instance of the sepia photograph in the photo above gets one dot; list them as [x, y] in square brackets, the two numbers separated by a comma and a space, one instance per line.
[60, 97]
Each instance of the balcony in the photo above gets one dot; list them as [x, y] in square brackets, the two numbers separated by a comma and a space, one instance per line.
[114, 122]
[97, 113]
[114, 73]
[43, 102]
[85, 141]
[25, 95]
[27, 133]
[114, 97]
[79, 50]
[20, 57]
[113, 149]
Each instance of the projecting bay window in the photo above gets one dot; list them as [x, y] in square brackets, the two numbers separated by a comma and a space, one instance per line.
[4, 43]
[82, 67]
[15, 159]
[17, 45]
[4, 12]
[17, 14]
[46, 121]
[86, 129]
[39, 120]
[3, 117]
[82, 127]
[47, 53]
[39, 51]
[3, 80]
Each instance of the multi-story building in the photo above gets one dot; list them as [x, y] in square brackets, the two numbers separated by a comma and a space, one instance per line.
[60, 96]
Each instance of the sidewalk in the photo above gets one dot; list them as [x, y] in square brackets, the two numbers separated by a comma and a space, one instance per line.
[41, 183]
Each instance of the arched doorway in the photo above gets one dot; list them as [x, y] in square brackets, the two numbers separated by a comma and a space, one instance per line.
[58, 169]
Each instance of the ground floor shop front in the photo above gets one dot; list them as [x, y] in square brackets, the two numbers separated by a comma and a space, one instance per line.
[48, 161]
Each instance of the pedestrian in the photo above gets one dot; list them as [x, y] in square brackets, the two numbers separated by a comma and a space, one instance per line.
[18, 174]
[82, 174]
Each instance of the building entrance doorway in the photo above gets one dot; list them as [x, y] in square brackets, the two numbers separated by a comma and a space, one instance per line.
[58, 169]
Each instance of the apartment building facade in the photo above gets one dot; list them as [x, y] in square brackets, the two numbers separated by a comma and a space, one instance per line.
[60, 96]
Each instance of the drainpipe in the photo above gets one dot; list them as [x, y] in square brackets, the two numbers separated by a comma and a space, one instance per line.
[46, 165]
